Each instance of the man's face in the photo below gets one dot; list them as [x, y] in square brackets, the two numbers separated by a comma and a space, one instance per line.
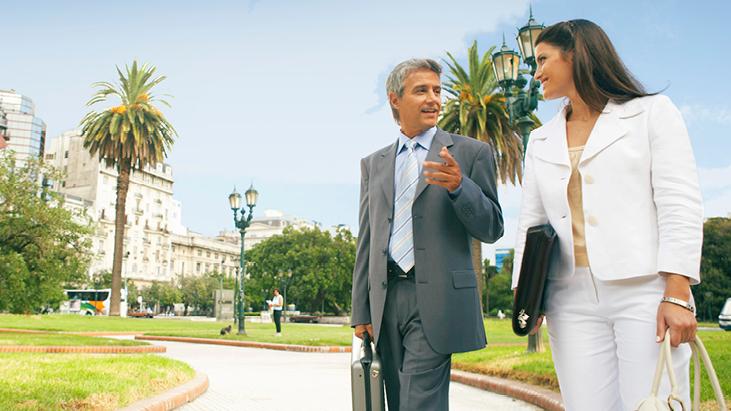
[421, 102]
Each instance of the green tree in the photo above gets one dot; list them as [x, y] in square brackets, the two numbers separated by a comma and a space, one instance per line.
[198, 292]
[132, 135]
[500, 287]
[132, 293]
[101, 279]
[715, 286]
[490, 271]
[162, 294]
[43, 246]
[475, 107]
[316, 266]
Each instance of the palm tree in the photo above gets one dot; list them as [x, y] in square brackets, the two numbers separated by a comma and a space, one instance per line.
[130, 136]
[475, 107]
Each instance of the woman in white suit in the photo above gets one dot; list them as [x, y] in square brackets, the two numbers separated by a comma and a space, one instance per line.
[614, 175]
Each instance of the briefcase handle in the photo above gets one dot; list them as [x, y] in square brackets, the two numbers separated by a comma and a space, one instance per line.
[367, 350]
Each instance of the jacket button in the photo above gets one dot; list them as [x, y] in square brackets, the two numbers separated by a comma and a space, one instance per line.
[384, 284]
[563, 216]
[588, 179]
[592, 221]
[385, 251]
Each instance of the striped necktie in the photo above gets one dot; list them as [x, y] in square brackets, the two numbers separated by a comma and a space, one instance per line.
[402, 241]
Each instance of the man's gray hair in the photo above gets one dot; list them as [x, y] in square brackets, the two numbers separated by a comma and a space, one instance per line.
[395, 81]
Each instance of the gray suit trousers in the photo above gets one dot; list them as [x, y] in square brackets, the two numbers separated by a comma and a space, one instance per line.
[416, 377]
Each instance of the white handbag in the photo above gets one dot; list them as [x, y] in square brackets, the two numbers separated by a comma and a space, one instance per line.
[655, 403]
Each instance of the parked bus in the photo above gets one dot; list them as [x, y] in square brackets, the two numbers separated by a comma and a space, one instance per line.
[92, 302]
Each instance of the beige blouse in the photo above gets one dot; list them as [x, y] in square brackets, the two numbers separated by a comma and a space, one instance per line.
[577, 208]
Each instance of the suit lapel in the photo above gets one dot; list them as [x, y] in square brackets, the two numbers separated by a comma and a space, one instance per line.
[387, 164]
[441, 139]
[608, 129]
[554, 148]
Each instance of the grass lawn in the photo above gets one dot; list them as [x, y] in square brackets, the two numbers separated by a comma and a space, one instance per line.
[61, 340]
[80, 323]
[300, 334]
[504, 356]
[30, 381]
[512, 361]
[304, 334]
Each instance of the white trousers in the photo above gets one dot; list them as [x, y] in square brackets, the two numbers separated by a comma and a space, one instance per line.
[602, 337]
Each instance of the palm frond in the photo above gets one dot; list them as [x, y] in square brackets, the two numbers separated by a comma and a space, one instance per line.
[475, 107]
[134, 133]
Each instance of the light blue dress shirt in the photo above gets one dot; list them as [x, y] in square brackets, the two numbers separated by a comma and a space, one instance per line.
[423, 143]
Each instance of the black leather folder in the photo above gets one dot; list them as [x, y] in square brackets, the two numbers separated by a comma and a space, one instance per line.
[540, 244]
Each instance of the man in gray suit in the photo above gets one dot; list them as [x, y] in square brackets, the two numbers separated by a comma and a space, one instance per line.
[422, 199]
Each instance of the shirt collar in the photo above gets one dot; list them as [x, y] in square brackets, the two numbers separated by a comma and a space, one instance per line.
[424, 139]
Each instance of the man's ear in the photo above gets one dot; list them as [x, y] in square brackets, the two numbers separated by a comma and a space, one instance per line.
[394, 100]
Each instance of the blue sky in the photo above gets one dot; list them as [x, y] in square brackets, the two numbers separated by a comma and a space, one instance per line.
[289, 94]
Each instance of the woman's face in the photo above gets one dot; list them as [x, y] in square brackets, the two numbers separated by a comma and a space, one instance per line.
[554, 71]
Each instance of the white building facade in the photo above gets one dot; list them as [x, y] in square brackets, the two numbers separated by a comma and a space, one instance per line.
[152, 215]
[157, 247]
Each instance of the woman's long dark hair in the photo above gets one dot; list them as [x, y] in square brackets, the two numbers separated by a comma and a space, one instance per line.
[598, 71]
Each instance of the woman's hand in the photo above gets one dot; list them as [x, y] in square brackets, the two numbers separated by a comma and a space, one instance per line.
[538, 325]
[681, 321]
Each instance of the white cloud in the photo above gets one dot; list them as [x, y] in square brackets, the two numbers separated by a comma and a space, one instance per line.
[700, 113]
[716, 187]
[715, 178]
[718, 205]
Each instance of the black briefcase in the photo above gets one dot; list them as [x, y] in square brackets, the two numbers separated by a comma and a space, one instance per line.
[540, 246]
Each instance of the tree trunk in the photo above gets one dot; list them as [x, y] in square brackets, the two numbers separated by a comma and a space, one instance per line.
[119, 222]
[476, 246]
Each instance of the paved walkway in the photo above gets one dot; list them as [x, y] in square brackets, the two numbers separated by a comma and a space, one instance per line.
[255, 379]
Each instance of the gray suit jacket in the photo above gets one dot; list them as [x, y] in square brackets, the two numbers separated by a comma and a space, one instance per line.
[446, 286]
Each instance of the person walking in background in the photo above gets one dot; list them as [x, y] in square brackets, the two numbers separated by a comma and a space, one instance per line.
[276, 304]
[422, 199]
[614, 175]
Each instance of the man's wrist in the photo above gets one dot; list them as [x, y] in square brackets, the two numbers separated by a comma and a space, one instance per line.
[456, 192]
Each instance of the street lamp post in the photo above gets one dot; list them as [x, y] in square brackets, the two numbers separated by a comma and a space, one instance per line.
[242, 223]
[520, 105]
[506, 64]
[286, 283]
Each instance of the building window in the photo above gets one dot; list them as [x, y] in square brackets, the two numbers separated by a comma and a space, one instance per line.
[197, 267]
[66, 154]
[200, 253]
[208, 254]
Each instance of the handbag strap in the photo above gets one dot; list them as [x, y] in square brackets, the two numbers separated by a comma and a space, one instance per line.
[699, 353]
[665, 361]
[699, 350]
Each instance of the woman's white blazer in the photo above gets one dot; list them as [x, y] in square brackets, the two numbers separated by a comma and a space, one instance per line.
[642, 204]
